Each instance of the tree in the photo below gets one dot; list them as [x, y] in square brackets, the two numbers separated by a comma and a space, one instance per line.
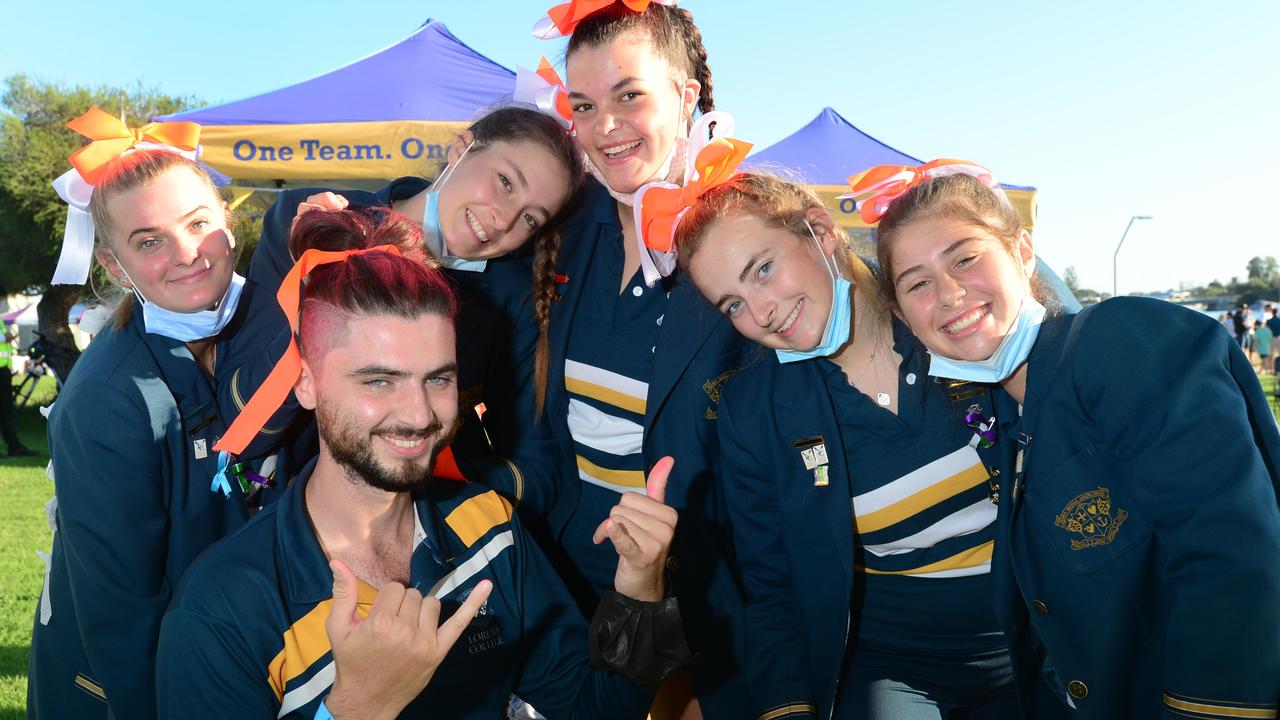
[1264, 269]
[1085, 296]
[1071, 279]
[34, 145]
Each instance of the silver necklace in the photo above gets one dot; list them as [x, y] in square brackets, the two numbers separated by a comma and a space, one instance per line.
[883, 399]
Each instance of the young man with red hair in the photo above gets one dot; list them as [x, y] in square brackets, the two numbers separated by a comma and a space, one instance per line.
[373, 589]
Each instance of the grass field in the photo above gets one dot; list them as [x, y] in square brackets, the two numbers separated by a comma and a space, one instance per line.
[24, 489]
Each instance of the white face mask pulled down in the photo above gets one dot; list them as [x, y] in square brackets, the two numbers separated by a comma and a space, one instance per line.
[188, 326]
[432, 236]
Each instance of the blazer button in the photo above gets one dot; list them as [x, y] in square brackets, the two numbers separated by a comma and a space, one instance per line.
[1077, 690]
[995, 472]
[1040, 607]
[673, 563]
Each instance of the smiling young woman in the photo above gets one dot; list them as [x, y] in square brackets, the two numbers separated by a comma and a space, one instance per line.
[857, 494]
[132, 438]
[636, 366]
[509, 180]
[1143, 510]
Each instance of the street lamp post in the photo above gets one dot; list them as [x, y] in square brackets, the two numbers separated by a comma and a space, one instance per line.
[1115, 284]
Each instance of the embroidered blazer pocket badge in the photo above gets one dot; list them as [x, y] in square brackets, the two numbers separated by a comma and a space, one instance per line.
[1089, 519]
[712, 389]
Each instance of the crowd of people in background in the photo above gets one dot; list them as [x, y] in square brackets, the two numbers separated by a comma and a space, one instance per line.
[1257, 337]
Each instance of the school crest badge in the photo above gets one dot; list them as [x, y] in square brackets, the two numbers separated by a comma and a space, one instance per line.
[484, 632]
[712, 389]
[1089, 519]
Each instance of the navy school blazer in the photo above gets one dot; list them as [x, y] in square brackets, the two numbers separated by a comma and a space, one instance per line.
[697, 351]
[132, 437]
[1141, 539]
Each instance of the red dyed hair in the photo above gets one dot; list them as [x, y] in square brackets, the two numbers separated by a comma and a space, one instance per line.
[375, 283]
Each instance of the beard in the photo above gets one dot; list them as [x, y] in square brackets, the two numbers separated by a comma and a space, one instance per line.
[352, 448]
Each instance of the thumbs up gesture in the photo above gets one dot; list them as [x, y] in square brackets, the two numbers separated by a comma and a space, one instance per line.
[383, 661]
[641, 528]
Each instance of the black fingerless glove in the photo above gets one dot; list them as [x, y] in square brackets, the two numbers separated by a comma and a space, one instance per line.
[641, 641]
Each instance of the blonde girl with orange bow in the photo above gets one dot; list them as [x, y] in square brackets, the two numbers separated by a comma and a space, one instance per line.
[140, 490]
[861, 495]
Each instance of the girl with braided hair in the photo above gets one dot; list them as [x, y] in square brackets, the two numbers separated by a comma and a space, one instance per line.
[509, 179]
[636, 359]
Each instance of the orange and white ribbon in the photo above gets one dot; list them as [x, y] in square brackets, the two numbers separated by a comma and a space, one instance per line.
[544, 90]
[561, 20]
[272, 393]
[111, 139]
[876, 188]
[660, 206]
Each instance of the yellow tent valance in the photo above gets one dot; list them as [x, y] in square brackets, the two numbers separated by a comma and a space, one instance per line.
[369, 150]
[845, 212]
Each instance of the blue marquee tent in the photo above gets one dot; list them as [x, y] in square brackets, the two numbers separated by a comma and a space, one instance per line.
[829, 149]
[378, 117]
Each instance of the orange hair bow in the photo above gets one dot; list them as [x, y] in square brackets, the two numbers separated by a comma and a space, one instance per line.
[876, 188]
[111, 137]
[271, 395]
[662, 208]
[562, 19]
[545, 90]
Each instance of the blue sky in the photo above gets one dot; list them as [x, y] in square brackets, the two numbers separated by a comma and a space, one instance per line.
[1110, 108]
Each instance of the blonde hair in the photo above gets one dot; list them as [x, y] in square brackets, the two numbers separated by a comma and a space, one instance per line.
[134, 169]
[778, 203]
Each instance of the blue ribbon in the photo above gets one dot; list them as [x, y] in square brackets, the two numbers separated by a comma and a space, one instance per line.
[220, 481]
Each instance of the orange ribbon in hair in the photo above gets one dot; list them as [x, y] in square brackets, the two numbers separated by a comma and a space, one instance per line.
[876, 188]
[562, 19]
[111, 137]
[662, 208]
[271, 395]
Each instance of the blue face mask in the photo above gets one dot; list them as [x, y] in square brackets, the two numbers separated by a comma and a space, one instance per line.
[431, 235]
[839, 320]
[192, 326]
[1011, 353]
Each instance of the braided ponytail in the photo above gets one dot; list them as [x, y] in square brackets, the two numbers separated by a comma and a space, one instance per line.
[682, 20]
[545, 292]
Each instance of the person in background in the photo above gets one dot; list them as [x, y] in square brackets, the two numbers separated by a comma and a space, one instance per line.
[1240, 324]
[1262, 344]
[8, 430]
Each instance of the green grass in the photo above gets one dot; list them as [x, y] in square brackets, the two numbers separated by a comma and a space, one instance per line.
[24, 490]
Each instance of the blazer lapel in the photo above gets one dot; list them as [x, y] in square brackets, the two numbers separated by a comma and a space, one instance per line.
[575, 261]
[686, 325]
[816, 418]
